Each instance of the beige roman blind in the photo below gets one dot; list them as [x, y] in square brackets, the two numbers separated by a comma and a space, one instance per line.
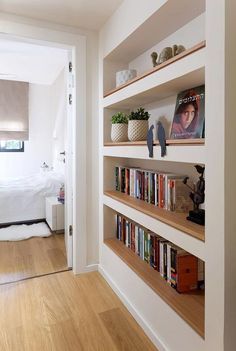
[14, 116]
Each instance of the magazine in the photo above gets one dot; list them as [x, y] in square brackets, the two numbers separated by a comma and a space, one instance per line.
[189, 116]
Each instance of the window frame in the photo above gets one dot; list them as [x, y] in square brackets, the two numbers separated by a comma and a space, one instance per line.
[22, 149]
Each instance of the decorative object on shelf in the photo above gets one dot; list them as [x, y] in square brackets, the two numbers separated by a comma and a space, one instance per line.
[154, 56]
[161, 136]
[150, 141]
[166, 54]
[124, 76]
[138, 124]
[177, 49]
[197, 195]
[189, 116]
[119, 127]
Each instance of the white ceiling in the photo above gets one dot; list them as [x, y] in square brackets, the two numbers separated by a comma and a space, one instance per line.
[88, 14]
[30, 63]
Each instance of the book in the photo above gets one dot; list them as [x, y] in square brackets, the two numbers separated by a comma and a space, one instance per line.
[187, 273]
[189, 115]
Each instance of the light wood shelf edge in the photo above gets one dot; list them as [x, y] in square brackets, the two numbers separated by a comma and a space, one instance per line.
[174, 142]
[176, 220]
[189, 306]
[185, 53]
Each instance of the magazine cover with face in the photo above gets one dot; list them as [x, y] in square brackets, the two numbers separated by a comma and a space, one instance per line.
[189, 117]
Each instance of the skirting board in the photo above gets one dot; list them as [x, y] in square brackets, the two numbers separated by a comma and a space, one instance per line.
[139, 319]
[88, 268]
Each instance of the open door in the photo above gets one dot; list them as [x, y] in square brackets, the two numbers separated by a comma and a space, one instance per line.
[69, 164]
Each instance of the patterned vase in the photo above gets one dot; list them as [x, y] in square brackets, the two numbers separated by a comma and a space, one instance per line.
[124, 76]
[137, 130]
[119, 132]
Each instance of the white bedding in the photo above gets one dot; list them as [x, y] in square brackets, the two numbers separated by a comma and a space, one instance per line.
[23, 199]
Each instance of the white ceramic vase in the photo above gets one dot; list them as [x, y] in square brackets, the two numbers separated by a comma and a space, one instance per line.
[137, 130]
[119, 132]
[124, 76]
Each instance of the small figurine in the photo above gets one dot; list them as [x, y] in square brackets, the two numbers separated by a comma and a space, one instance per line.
[154, 56]
[197, 195]
[150, 140]
[166, 54]
[177, 49]
[161, 136]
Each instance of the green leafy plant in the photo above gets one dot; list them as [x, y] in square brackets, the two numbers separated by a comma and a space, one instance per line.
[119, 118]
[140, 115]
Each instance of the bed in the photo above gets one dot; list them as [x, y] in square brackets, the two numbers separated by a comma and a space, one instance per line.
[23, 199]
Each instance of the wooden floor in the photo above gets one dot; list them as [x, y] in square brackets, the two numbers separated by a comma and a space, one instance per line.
[63, 312]
[31, 257]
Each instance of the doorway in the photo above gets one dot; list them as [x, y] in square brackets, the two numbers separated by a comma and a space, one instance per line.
[23, 263]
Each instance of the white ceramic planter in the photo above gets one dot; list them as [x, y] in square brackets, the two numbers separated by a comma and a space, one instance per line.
[137, 130]
[124, 76]
[119, 132]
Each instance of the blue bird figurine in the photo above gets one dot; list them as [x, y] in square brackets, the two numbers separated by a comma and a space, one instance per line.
[161, 136]
[150, 140]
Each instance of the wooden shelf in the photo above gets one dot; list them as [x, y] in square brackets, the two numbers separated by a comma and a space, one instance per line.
[159, 67]
[176, 220]
[182, 74]
[156, 142]
[190, 306]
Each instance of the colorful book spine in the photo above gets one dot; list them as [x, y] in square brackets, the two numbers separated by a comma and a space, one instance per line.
[127, 239]
[131, 182]
[127, 182]
[132, 244]
[122, 184]
[136, 238]
[117, 178]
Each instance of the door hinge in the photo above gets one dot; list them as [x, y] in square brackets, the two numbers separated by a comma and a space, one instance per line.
[70, 66]
[70, 99]
[70, 230]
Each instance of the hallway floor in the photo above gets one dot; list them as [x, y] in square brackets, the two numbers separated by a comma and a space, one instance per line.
[64, 312]
[32, 257]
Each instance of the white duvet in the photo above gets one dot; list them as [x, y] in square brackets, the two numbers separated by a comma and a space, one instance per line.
[23, 199]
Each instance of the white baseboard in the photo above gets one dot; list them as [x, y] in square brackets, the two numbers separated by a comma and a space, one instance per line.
[87, 269]
[91, 268]
[139, 319]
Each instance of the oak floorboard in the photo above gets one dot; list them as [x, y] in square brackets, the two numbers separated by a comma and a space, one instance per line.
[32, 257]
[123, 333]
[64, 312]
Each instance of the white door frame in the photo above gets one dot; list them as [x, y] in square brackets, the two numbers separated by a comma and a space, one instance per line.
[77, 43]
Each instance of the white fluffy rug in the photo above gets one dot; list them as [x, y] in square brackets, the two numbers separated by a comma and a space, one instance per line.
[23, 231]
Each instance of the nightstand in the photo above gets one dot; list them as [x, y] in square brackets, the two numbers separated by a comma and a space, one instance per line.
[54, 214]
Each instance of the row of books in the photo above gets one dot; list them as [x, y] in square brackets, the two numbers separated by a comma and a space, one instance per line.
[165, 190]
[183, 271]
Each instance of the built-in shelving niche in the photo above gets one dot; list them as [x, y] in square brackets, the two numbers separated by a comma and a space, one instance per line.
[189, 306]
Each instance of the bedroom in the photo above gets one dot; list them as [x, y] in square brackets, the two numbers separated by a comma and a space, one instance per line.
[33, 134]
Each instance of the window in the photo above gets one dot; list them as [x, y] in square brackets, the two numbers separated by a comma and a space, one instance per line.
[11, 146]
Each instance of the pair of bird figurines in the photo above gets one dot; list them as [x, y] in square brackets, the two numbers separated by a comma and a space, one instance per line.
[161, 136]
[166, 54]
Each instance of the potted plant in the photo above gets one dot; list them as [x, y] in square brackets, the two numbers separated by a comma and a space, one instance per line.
[138, 125]
[119, 127]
